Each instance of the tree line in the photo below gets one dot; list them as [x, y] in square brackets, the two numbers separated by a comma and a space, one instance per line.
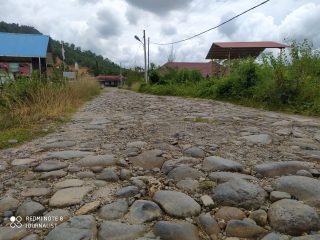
[97, 64]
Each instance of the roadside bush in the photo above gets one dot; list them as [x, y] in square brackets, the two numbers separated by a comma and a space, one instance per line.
[172, 75]
[289, 81]
[241, 81]
[154, 76]
[25, 101]
[133, 77]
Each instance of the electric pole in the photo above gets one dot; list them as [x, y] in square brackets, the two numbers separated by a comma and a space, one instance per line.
[145, 57]
[148, 56]
[121, 82]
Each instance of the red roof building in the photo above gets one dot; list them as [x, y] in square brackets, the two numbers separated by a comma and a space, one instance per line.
[109, 77]
[110, 80]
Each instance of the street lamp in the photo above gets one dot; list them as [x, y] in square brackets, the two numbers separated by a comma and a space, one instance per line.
[137, 38]
[145, 54]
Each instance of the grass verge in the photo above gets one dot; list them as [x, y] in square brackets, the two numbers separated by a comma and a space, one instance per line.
[31, 108]
[289, 82]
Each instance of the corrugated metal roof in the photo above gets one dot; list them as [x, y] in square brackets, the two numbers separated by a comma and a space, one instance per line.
[234, 50]
[23, 45]
[267, 44]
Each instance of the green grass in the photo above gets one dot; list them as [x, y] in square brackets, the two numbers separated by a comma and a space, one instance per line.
[207, 184]
[194, 91]
[29, 105]
[288, 83]
[203, 120]
[21, 135]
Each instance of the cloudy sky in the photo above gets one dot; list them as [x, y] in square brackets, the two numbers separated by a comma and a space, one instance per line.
[107, 27]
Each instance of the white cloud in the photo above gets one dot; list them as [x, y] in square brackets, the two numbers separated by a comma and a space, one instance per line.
[168, 30]
[231, 27]
[88, 1]
[107, 27]
[133, 15]
[160, 7]
[302, 24]
[108, 24]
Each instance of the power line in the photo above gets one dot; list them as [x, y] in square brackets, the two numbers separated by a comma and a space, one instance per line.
[210, 29]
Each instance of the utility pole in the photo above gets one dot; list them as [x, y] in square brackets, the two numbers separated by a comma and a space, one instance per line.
[144, 43]
[121, 81]
[148, 57]
[145, 57]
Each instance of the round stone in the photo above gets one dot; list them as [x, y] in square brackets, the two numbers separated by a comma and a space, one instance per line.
[276, 196]
[194, 152]
[239, 193]
[293, 217]
[109, 175]
[215, 163]
[279, 168]
[177, 204]
[114, 210]
[260, 217]
[188, 185]
[126, 192]
[115, 230]
[305, 189]
[230, 213]
[209, 224]
[59, 144]
[8, 204]
[174, 231]
[97, 161]
[69, 196]
[69, 183]
[35, 192]
[184, 172]
[50, 165]
[304, 173]
[30, 208]
[125, 174]
[21, 162]
[148, 159]
[143, 211]
[244, 229]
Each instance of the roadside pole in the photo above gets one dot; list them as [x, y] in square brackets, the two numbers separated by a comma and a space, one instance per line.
[148, 57]
[145, 57]
[121, 82]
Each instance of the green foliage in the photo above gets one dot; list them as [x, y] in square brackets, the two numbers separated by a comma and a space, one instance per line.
[30, 105]
[174, 89]
[207, 184]
[96, 63]
[16, 28]
[32, 99]
[241, 81]
[154, 77]
[133, 76]
[21, 135]
[288, 82]
[172, 75]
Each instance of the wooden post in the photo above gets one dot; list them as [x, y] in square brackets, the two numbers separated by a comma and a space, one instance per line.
[229, 60]
[40, 68]
[145, 57]
[148, 57]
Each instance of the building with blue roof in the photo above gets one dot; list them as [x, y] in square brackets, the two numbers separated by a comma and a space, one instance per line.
[24, 53]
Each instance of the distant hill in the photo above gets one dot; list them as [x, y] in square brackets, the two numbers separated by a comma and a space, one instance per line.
[96, 63]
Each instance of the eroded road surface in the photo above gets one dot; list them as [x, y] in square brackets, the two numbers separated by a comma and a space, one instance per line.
[133, 166]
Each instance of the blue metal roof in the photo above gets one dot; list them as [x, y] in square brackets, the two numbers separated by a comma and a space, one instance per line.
[23, 45]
